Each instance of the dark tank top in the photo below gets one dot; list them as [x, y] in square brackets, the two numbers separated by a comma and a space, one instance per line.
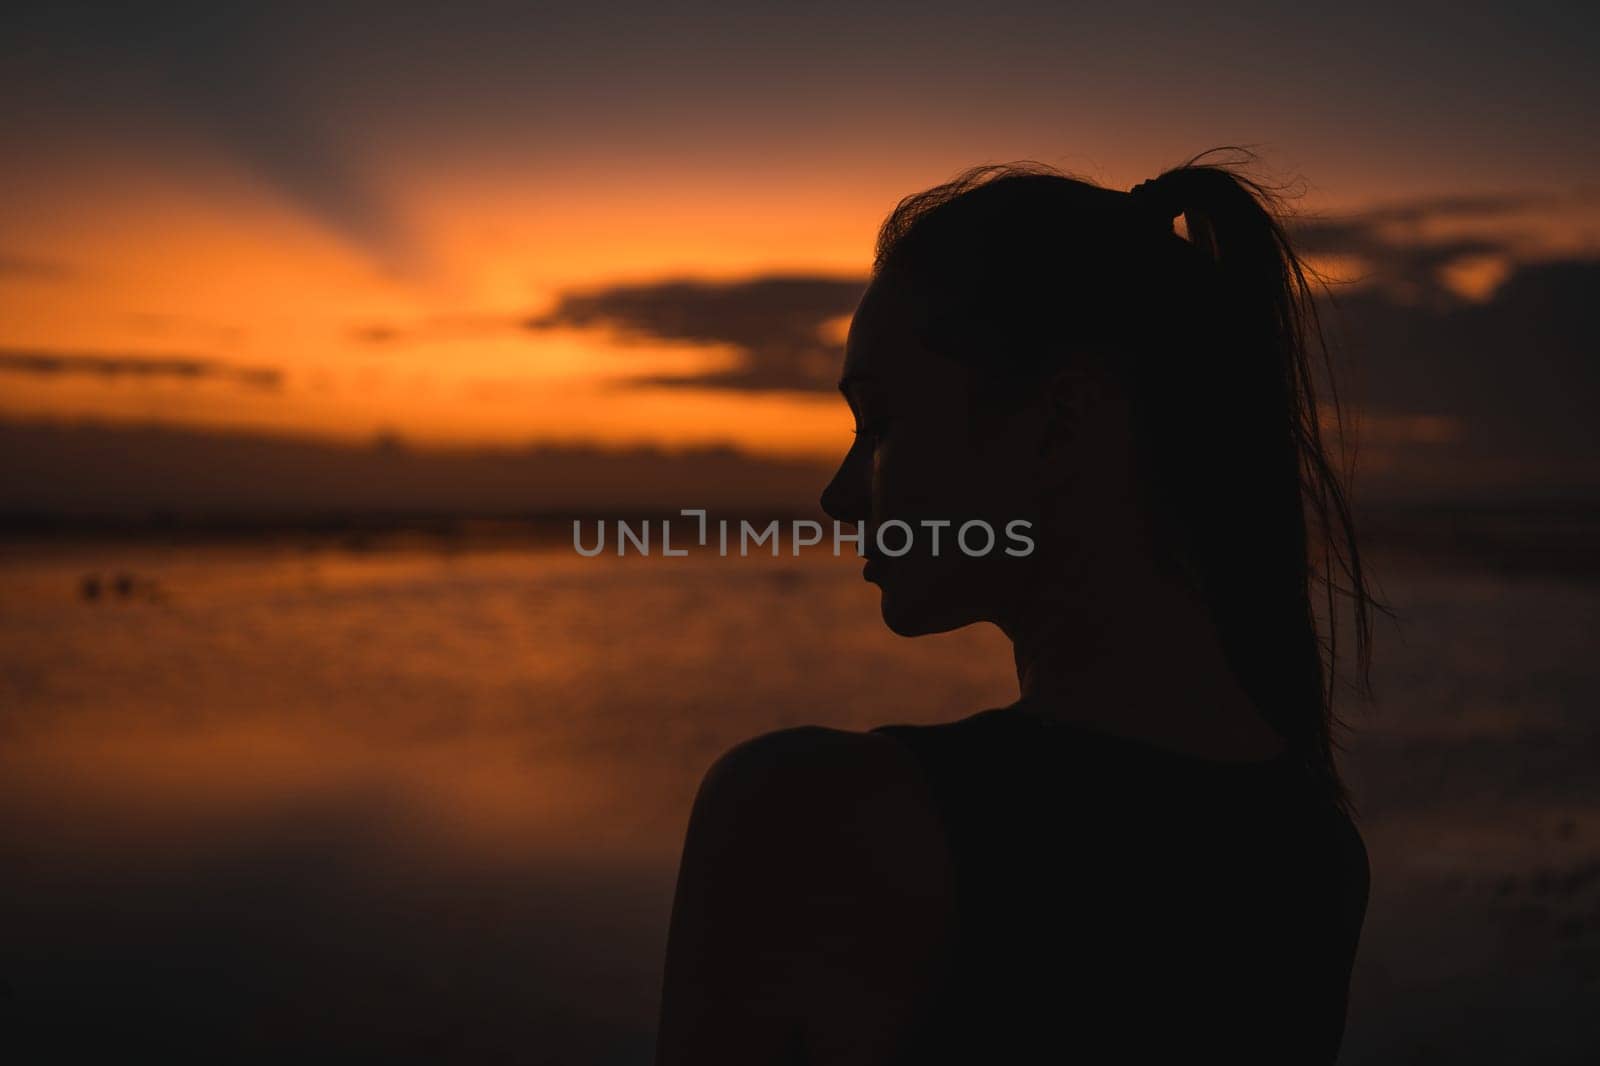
[1121, 902]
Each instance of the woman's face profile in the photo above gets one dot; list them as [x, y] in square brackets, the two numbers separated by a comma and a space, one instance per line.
[915, 459]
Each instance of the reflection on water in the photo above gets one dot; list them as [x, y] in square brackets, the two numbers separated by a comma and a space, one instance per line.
[262, 802]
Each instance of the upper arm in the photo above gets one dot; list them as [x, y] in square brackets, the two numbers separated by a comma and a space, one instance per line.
[812, 902]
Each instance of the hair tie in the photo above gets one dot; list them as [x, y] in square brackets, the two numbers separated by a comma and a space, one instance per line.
[1156, 197]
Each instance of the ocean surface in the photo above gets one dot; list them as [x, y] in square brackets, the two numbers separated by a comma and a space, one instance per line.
[278, 800]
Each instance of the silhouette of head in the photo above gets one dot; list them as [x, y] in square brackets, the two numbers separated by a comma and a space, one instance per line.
[1034, 348]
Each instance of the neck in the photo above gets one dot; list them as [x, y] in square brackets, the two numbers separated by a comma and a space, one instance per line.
[1087, 633]
[1136, 655]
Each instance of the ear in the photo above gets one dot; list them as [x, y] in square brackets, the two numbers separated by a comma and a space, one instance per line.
[1072, 394]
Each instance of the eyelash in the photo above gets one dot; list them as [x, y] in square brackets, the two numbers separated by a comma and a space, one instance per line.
[874, 428]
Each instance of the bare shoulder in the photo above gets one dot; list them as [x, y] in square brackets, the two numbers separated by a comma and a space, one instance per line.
[813, 901]
[831, 799]
[816, 766]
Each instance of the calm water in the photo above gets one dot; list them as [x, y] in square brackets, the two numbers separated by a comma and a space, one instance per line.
[260, 802]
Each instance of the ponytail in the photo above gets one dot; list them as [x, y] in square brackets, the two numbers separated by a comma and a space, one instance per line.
[1290, 526]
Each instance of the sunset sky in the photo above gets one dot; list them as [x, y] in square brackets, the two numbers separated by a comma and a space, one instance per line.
[639, 226]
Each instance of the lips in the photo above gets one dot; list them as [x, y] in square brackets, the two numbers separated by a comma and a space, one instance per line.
[869, 544]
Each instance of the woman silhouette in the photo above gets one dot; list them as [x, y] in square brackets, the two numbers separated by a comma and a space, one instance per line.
[1148, 857]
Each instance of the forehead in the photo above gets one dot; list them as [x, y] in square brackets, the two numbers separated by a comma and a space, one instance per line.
[883, 349]
[880, 338]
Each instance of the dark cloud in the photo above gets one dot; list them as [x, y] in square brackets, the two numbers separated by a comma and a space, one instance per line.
[1415, 271]
[92, 469]
[774, 323]
[1431, 209]
[1401, 256]
[171, 367]
[375, 334]
[27, 268]
[1517, 373]
[442, 327]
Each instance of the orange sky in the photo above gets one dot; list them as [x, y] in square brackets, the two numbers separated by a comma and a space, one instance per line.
[202, 262]
[441, 216]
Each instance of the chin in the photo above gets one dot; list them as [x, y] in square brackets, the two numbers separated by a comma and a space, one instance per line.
[914, 616]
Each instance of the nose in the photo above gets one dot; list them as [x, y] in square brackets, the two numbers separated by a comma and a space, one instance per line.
[848, 497]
